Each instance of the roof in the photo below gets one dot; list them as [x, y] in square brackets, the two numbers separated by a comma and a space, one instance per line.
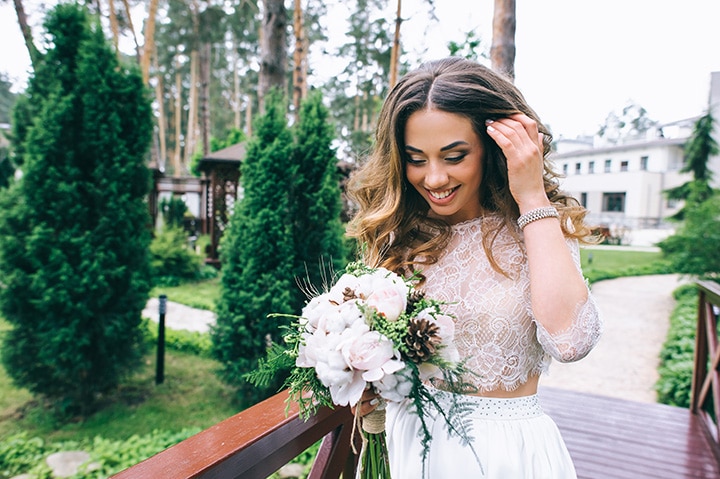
[233, 154]
[622, 146]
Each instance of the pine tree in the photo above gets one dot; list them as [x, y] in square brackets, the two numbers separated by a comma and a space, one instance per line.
[257, 255]
[692, 249]
[317, 230]
[698, 150]
[74, 230]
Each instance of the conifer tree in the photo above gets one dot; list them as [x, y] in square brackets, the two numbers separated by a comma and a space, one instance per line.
[257, 255]
[700, 147]
[74, 230]
[692, 249]
[318, 233]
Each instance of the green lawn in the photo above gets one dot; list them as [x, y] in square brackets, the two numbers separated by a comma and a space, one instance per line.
[599, 263]
[190, 396]
[198, 294]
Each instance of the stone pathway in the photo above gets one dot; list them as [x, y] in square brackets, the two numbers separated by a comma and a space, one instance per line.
[179, 316]
[635, 312]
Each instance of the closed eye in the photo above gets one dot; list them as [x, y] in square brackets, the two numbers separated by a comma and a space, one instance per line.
[456, 159]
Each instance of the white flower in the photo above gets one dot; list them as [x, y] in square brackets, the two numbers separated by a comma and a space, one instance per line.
[386, 292]
[395, 387]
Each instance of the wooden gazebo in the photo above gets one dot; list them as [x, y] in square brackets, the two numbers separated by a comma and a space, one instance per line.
[220, 178]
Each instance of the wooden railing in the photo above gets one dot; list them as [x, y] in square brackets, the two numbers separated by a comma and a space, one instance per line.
[706, 371]
[258, 441]
[255, 443]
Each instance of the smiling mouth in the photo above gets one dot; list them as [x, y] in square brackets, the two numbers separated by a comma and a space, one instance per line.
[441, 195]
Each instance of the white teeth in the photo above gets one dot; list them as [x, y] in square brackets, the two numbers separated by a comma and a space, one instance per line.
[442, 194]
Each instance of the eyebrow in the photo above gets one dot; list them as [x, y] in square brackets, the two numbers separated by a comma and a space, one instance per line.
[444, 148]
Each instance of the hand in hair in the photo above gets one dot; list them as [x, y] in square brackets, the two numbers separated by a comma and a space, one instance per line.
[522, 144]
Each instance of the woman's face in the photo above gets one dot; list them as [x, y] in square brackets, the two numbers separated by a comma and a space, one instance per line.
[445, 163]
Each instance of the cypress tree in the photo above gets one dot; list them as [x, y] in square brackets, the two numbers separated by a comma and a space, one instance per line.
[692, 249]
[74, 230]
[700, 147]
[257, 255]
[318, 231]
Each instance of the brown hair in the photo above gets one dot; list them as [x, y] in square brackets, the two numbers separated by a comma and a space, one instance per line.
[392, 223]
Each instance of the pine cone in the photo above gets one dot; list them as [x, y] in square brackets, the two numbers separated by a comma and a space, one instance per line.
[422, 339]
[413, 298]
[348, 294]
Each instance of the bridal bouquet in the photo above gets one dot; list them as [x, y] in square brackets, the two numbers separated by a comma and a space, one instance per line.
[371, 329]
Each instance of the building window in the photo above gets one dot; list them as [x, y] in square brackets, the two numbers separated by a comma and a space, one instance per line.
[583, 200]
[565, 169]
[608, 164]
[624, 165]
[613, 202]
[643, 163]
[591, 167]
[577, 168]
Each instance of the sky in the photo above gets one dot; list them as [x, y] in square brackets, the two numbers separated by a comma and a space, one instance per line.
[576, 60]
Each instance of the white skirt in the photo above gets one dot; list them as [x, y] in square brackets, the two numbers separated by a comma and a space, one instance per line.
[511, 439]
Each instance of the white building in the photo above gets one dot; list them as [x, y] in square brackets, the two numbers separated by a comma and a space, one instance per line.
[622, 184]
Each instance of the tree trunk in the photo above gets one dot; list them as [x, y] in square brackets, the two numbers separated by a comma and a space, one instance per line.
[177, 157]
[273, 50]
[26, 32]
[204, 94]
[299, 57]
[395, 52]
[149, 45]
[248, 117]
[502, 52]
[161, 120]
[192, 121]
[236, 85]
[114, 27]
[132, 30]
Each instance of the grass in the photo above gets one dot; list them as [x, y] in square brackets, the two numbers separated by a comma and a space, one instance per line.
[198, 294]
[599, 264]
[190, 396]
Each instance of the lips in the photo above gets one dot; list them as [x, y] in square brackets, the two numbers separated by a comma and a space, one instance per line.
[443, 195]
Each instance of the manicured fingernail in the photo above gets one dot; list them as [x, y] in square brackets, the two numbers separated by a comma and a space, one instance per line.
[488, 121]
[490, 128]
[374, 401]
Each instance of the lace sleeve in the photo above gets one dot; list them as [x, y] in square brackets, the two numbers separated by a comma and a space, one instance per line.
[577, 341]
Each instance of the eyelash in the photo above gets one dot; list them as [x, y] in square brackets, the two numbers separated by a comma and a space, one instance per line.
[451, 159]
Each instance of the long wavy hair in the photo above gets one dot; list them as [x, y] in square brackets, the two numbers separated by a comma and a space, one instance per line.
[392, 223]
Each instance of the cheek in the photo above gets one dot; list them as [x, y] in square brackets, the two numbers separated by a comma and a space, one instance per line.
[413, 175]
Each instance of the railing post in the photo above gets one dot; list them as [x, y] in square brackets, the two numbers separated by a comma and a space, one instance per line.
[701, 356]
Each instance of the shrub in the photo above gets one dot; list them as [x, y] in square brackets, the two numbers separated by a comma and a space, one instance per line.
[677, 354]
[172, 261]
[20, 454]
[192, 342]
[73, 230]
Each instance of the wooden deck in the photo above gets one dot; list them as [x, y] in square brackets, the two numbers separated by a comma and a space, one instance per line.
[611, 438]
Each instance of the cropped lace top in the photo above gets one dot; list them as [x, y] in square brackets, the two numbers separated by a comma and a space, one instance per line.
[495, 330]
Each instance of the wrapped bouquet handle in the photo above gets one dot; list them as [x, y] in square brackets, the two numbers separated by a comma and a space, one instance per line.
[374, 459]
[374, 422]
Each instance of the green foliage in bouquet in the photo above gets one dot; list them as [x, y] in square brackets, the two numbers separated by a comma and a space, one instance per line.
[374, 329]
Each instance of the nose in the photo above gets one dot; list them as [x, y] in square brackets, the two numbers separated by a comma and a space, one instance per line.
[436, 176]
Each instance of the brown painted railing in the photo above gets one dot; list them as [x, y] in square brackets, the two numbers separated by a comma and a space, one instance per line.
[706, 371]
[258, 441]
[255, 443]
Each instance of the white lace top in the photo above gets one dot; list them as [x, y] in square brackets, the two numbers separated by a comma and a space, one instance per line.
[495, 331]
